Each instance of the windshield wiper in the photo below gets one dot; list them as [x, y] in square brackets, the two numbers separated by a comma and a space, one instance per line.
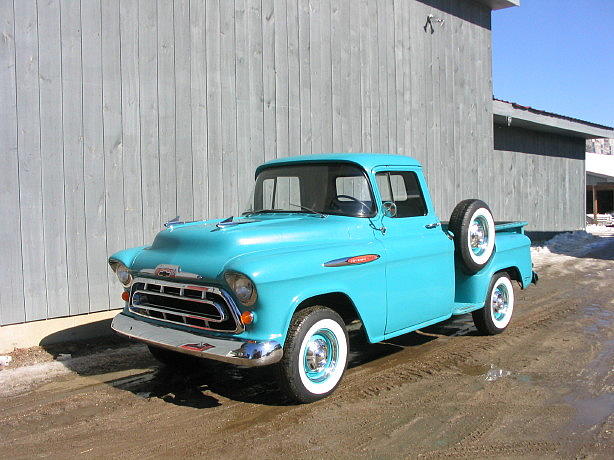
[262, 211]
[305, 208]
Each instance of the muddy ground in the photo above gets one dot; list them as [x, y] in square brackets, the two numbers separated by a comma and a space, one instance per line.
[543, 389]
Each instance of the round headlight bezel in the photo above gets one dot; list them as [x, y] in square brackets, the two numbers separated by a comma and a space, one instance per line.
[242, 287]
[123, 274]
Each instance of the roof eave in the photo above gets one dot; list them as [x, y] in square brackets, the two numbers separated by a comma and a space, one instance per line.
[506, 114]
[499, 4]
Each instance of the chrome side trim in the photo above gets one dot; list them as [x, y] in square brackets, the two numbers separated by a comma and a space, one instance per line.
[248, 353]
[337, 262]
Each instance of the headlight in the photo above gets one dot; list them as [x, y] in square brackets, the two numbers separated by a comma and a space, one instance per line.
[243, 288]
[122, 272]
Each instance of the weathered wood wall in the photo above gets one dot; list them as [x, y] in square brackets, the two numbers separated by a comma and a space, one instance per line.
[115, 116]
[547, 175]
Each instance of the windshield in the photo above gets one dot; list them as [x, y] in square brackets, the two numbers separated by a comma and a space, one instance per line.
[320, 188]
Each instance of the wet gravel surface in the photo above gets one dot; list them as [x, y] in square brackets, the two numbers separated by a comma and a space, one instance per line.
[542, 389]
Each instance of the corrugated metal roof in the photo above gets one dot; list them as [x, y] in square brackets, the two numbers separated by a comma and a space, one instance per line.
[522, 116]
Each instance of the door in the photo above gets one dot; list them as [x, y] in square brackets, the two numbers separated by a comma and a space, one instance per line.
[420, 256]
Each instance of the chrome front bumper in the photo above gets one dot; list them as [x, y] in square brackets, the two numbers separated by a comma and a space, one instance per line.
[235, 351]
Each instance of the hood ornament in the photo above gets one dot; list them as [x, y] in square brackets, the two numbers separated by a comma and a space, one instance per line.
[169, 271]
[175, 221]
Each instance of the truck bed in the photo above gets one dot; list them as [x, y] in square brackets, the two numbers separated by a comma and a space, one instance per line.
[500, 226]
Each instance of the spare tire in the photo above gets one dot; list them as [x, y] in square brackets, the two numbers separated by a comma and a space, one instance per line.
[474, 234]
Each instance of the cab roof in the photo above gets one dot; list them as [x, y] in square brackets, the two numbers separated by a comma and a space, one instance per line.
[367, 160]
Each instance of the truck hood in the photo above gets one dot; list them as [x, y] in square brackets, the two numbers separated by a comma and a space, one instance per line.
[203, 248]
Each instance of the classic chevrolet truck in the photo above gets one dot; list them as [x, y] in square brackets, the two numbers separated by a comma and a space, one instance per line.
[326, 240]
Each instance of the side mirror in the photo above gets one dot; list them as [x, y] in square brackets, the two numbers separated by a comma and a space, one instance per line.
[390, 209]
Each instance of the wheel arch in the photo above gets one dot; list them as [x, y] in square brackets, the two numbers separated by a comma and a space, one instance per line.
[339, 302]
[513, 272]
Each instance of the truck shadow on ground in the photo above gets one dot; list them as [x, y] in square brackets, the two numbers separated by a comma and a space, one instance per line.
[207, 384]
[204, 384]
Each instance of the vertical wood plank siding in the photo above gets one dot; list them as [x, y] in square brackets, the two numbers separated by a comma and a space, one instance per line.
[546, 172]
[116, 115]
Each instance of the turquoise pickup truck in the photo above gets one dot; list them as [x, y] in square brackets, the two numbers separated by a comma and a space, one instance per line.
[326, 240]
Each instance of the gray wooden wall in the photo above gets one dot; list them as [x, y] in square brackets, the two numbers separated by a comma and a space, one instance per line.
[115, 116]
[546, 173]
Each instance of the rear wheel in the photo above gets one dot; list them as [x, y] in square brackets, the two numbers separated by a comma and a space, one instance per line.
[315, 354]
[496, 314]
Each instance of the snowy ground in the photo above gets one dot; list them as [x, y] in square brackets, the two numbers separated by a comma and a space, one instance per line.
[569, 245]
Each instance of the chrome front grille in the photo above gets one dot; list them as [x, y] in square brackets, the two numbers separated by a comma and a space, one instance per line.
[201, 307]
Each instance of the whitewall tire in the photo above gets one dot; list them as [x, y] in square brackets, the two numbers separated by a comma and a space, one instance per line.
[498, 308]
[473, 227]
[315, 354]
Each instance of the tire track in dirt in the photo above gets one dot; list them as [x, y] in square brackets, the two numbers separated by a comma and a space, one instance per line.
[534, 448]
[444, 358]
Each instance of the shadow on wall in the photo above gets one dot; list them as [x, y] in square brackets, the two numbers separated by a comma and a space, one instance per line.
[539, 238]
[82, 332]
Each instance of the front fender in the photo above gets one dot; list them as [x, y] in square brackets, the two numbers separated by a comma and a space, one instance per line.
[127, 256]
[284, 280]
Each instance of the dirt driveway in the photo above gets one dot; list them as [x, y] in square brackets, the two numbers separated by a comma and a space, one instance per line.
[543, 389]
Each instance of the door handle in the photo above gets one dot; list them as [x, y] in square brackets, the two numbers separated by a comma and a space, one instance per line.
[433, 225]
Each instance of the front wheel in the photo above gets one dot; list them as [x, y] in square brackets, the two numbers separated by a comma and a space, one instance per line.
[496, 314]
[315, 354]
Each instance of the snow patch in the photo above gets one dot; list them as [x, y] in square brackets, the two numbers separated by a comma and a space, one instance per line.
[569, 245]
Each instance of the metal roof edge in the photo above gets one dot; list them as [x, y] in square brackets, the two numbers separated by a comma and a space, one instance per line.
[499, 4]
[511, 114]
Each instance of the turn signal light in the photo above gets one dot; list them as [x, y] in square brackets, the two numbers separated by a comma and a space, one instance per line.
[247, 317]
[125, 296]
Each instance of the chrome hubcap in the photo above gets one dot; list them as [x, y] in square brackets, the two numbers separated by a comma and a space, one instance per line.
[478, 235]
[321, 355]
[317, 352]
[500, 302]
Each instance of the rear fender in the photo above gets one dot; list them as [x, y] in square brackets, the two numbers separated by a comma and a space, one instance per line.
[512, 255]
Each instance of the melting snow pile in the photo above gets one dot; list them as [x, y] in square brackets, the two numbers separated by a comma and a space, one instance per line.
[574, 244]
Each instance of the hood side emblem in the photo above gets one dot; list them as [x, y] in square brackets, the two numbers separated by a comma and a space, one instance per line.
[356, 260]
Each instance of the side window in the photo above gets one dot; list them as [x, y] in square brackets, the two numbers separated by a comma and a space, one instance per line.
[384, 186]
[403, 188]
